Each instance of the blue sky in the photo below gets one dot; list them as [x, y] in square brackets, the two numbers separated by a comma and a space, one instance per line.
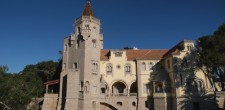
[33, 30]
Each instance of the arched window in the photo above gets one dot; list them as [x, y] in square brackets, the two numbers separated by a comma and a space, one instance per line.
[109, 68]
[189, 47]
[95, 29]
[194, 85]
[127, 68]
[95, 67]
[200, 85]
[143, 66]
[86, 86]
[94, 43]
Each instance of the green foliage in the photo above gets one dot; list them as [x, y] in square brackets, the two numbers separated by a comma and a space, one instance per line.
[212, 53]
[17, 90]
[3, 70]
[213, 48]
[45, 70]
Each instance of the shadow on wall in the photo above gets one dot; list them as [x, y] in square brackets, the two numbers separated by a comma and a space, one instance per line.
[64, 89]
[159, 89]
[195, 95]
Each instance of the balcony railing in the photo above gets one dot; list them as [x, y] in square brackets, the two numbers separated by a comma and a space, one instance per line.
[133, 94]
[121, 95]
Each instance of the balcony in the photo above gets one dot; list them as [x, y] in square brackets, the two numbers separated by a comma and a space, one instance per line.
[121, 95]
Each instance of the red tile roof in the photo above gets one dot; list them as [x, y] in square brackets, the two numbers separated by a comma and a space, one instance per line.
[52, 82]
[137, 54]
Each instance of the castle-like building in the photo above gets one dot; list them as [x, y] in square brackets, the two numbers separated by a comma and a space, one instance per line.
[94, 78]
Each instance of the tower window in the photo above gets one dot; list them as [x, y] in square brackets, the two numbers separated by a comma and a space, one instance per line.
[86, 86]
[87, 26]
[81, 85]
[75, 65]
[94, 43]
[94, 67]
[95, 29]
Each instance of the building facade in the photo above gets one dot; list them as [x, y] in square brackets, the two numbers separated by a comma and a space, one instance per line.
[94, 78]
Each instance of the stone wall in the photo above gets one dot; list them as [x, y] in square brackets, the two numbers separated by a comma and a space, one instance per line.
[50, 102]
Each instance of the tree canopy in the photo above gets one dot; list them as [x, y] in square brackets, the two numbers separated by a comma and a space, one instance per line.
[17, 90]
[212, 52]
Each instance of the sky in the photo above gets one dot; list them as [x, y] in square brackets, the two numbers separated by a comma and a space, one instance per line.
[32, 31]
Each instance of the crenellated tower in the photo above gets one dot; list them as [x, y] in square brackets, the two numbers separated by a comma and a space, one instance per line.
[80, 77]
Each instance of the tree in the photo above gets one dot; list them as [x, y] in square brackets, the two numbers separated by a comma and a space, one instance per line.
[17, 90]
[3, 70]
[45, 70]
[212, 53]
[187, 69]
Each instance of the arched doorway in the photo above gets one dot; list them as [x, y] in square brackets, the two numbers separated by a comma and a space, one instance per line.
[119, 88]
[133, 89]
